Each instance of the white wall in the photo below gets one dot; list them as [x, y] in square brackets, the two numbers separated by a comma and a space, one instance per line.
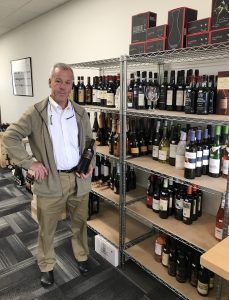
[81, 30]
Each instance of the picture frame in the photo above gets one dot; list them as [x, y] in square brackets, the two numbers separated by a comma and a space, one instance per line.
[21, 70]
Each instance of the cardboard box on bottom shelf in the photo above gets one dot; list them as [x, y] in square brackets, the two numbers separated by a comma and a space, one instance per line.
[137, 48]
[107, 250]
[193, 40]
[34, 210]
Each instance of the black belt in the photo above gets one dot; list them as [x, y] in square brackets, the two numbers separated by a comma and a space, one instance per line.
[68, 171]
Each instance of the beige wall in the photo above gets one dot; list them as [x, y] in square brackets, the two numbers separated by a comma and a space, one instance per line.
[79, 31]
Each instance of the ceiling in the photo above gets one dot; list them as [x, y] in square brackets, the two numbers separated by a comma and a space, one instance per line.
[14, 13]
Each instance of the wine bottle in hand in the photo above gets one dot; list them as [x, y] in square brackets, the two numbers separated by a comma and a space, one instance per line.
[86, 158]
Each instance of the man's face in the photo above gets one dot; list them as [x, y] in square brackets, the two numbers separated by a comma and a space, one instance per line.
[60, 84]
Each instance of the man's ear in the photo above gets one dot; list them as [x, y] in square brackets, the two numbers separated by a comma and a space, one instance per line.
[49, 82]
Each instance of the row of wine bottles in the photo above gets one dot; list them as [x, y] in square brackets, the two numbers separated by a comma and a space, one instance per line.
[104, 91]
[109, 174]
[183, 263]
[168, 197]
[195, 94]
[197, 150]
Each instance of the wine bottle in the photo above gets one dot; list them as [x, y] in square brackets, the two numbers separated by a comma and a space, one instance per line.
[156, 91]
[95, 126]
[181, 272]
[163, 154]
[165, 253]
[203, 281]
[113, 173]
[188, 206]
[173, 145]
[88, 92]
[141, 94]
[180, 152]
[171, 93]
[206, 153]
[100, 136]
[163, 92]
[202, 106]
[225, 161]
[150, 191]
[180, 91]
[117, 140]
[81, 91]
[156, 141]
[195, 203]
[110, 92]
[212, 95]
[117, 180]
[132, 179]
[106, 169]
[190, 158]
[199, 153]
[164, 200]
[75, 90]
[195, 269]
[215, 154]
[142, 140]
[156, 195]
[112, 137]
[219, 219]
[130, 92]
[191, 96]
[86, 158]
[159, 243]
[117, 92]
[172, 259]
[171, 196]
[134, 143]
[136, 89]
[179, 202]
[95, 91]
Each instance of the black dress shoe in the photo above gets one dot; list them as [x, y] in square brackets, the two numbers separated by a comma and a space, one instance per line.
[47, 279]
[83, 267]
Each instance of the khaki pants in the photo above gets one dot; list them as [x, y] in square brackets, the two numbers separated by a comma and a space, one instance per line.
[48, 212]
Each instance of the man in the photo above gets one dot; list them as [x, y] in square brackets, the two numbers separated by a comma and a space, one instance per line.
[58, 131]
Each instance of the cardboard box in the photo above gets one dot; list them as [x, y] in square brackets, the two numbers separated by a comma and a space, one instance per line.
[157, 32]
[34, 210]
[137, 48]
[222, 102]
[200, 39]
[107, 250]
[140, 23]
[155, 45]
[219, 36]
[199, 26]
[177, 23]
[220, 14]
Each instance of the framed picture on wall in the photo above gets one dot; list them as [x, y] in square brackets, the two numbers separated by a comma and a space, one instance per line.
[22, 80]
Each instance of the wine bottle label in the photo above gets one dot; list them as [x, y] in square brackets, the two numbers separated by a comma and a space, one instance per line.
[134, 150]
[150, 148]
[190, 160]
[158, 248]
[214, 166]
[165, 259]
[163, 206]
[99, 95]
[180, 98]
[104, 95]
[172, 150]
[81, 96]
[179, 203]
[144, 149]
[170, 200]
[205, 157]
[215, 148]
[163, 155]
[106, 171]
[219, 233]
[186, 209]
[130, 99]
[199, 155]
[155, 152]
[225, 166]
[180, 159]
[96, 171]
[94, 96]
[110, 99]
[141, 99]
[169, 100]
[194, 207]
[202, 288]
[156, 204]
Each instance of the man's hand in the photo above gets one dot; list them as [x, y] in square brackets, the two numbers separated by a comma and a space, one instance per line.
[39, 170]
[86, 175]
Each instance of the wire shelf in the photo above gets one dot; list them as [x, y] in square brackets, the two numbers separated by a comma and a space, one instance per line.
[110, 63]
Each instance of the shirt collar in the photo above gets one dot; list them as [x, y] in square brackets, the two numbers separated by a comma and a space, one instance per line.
[56, 106]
